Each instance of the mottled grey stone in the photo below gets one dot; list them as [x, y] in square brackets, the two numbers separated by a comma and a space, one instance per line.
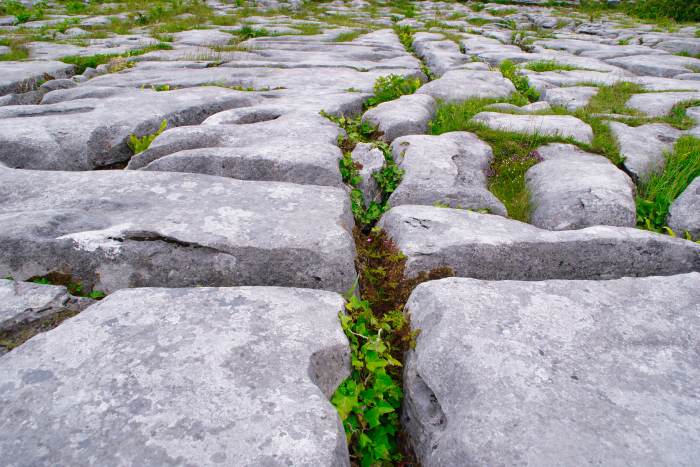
[408, 115]
[666, 65]
[117, 229]
[461, 85]
[202, 37]
[658, 104]
[54, 84]
[19, 77]
[447, 169]
[684, 215]
[372, 160]
[573, 189]
[23, 302]
[555, 372]
[91, 128]
[485, 246]
[643, 147]
[439, 55]
[564, 126]
[571, 98]
[202, 376]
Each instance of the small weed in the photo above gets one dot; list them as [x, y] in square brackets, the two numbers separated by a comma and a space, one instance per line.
[349, 35]
[521, 83]
[138, 145]
[74, 287]
[405, 34]
[658, 191]
[249, 32]
[388, 88]
[356, 131]
[548, 65]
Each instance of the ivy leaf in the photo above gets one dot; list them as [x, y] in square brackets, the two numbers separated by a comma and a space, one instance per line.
[373, 414]
[344, 404]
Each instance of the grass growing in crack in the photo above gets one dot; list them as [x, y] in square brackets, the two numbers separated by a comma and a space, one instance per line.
[405, 34]
[74, 287]
[138, 145]
[658, 191]
[513, 153]
[349, 35]
[82, 62]
[521, 83]
[249, 32]
[548, 65]
[379, 332]
[18, 51]
[388, 88]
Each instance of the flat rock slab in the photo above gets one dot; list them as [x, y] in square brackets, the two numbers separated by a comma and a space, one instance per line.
[118, 229]
[92, 126]
[407, 115]
[571, 98]
[666, 66]
[555, 372]
[573, 189]
[206, 376]
[23, 302]
[439, 55]
[462, 85]
[684, 214]
[658, 104]
[450, 169]
[18, 77]
[643, 147]
[484, 246]
[564, 126]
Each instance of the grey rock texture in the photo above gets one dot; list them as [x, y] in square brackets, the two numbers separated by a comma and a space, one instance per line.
[372, 160]
[447, 169]
[564, 126]
[92, 126]
[666, 66]
[643, 147]
[18, 77]
[117, 229]
[658, 104]
[408, 115]
[485, 246]
[439, 55]
[555, 372]
[573, 189]
[22, 302]
[206, 376]
[571, 98]
[460, 85]
[684, 214]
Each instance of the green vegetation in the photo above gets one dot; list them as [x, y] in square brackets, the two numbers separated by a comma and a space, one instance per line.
[74, 287]
[138, 145]
[658, 11]
[656, 193]
[349, 35]
[82, 62]
[521, 83]
[503, 12]
[405, 34]
[478, 21]
[21, 12]
[249, 32]
[388, 88]
[368, 402]
[17, 50]
[548, 65]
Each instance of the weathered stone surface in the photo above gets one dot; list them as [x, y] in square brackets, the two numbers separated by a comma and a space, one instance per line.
[22, 302]
[408, 115]
[205, 376]
[666, 66]
[439, 55]
[372, 160]
[18, 77]
[684, 215]
[658, 104]
[92, 130]
[117, 229]
[564, 126]
[573, 189]
[485, 246]
[643, 147]
[571, 98]
[555, 372]
[448, 169]
[460, 85]
[202, 37]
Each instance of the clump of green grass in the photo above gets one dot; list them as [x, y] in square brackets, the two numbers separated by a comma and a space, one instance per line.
[548, 65]
[405, 34]
[514, 153]
[677, 10]
[307, 29]
[18, 51]
[521, 83]
[388, 88]
[503, 12]
[138, 145]
[21, 12]
[478, 21]
[349, 35]
[659, 190]
[249, 32]
[82, 62]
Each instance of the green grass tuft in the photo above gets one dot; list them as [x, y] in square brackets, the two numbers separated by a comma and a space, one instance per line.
[521, 83]
[548, 65]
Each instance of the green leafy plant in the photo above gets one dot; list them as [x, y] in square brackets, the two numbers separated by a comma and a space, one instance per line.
[548, 65]
[659, 190]
[388, 88]
[356, 131]
[521, 83]
[350, 170]
[74, 287]
[138, 145]
[405, 34]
